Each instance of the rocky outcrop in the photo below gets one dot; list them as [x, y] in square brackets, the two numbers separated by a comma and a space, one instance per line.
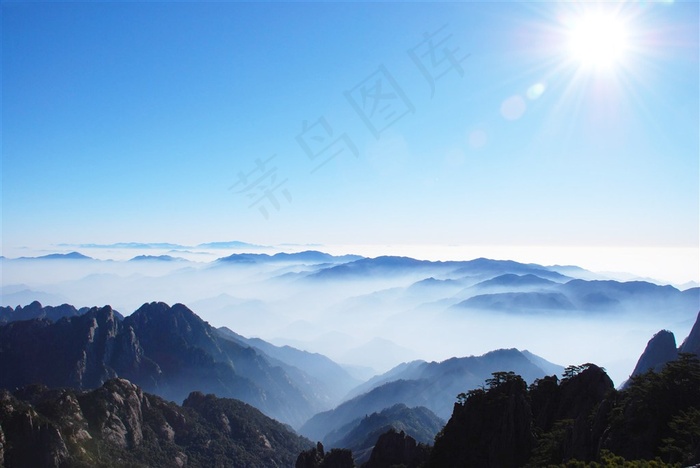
[36, 311]
[692, 343]
[580, 398]
[120, 425]
[660, 350]
[488, 428]
[318, 458]
[29, 439]
[311, 458]
[397, 449]
[166, 350]
[115, 412]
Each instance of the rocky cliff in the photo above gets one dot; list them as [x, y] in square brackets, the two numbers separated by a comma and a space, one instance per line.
[120, 425]
[166, 350]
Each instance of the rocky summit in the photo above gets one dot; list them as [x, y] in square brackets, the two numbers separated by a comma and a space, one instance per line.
[120, 425]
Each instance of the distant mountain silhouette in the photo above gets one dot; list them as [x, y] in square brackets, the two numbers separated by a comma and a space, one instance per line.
[519, 301]
[230, 245]
[398, 449]
[36, 311]
[388, 265]
[433, 385]
[512, 280]
[309, 256]
[21, 294]
[60, 256]
[330, 380]
[157, 258]
[130, 245]
[596, 293]
[118, 424]
[579, 295]
[361, 435]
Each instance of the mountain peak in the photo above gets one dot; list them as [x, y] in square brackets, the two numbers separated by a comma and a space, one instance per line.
[63, 256]
[692, 343]
[660, 349]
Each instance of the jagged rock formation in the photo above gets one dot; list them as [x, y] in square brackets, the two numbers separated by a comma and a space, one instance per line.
[120, 425]
[692, 343]
[659, 350]
[166, 350]
[81, 352]
[488, 428]
[317, 457]
[36, 311]
[581, 418]
[658, 415]
[397, 449]
[569, 413]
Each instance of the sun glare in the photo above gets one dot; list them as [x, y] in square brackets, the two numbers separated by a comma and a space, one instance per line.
[597, 41]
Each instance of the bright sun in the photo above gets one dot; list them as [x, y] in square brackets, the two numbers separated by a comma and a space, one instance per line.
[597, 41]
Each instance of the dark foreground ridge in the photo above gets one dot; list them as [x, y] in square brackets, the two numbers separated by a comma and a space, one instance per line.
[579, 421]
[120, 425]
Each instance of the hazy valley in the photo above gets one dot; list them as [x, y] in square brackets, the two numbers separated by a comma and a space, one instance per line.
[371, 314]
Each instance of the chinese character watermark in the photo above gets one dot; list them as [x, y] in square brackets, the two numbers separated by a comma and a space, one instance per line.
[435, 58]
[317, 140]
[379, 101]
[261, 185]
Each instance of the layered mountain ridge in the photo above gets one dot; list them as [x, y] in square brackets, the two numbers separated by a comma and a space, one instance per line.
[166, 350]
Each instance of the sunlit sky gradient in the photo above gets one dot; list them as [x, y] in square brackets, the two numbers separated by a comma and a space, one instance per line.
[133, 122]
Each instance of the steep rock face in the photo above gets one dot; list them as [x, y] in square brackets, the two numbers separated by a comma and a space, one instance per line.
[692, 343]
[571, 415]
[115, 412]
[120, 425]
[397, 449]
[491, 428]
[166, 350]
[580, 397]
[658, 415]
[660, 350]
[188, 350]
[81, 352]
[28, 438]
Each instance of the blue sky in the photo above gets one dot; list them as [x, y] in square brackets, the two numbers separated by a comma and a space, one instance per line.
[133, 122]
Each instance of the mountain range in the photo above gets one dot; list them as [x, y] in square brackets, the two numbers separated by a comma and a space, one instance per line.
[36, 311]
[166, 350]
[361, 435]
[118, 424]
[433, 385]
[83, 378]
